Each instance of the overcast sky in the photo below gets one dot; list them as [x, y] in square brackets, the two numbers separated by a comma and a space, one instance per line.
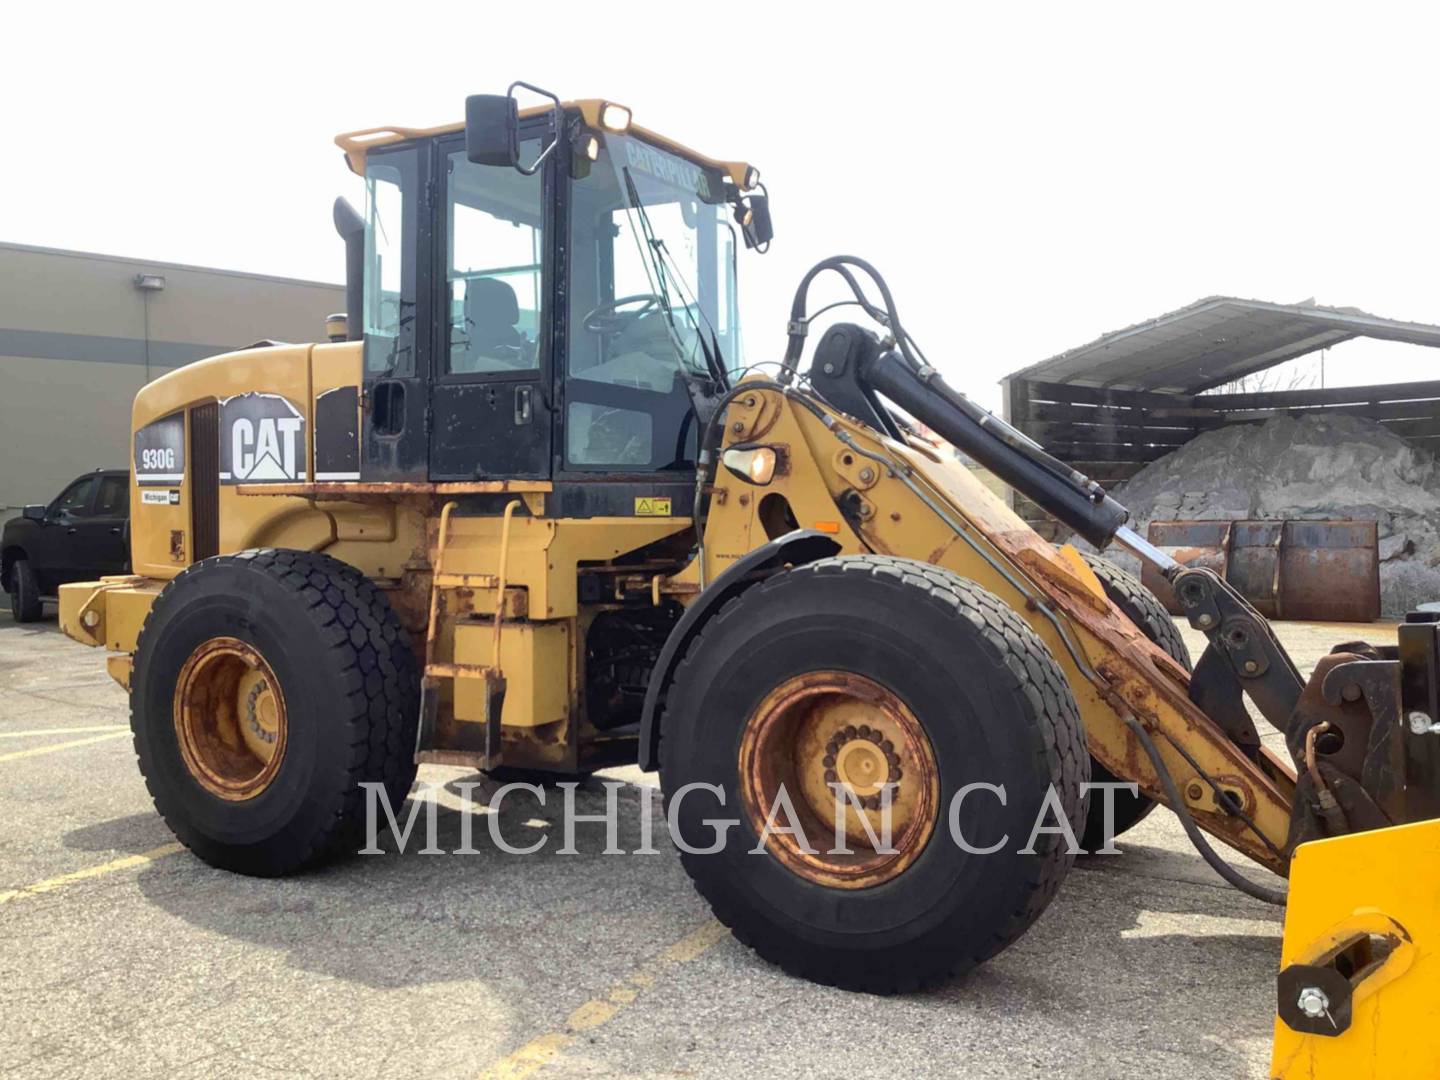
[1026, 176]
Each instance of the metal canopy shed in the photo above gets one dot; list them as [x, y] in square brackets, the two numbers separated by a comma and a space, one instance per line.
[1134, 395]
[1214, 341]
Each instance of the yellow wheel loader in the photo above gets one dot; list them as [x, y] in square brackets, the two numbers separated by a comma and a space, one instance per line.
[528, 511]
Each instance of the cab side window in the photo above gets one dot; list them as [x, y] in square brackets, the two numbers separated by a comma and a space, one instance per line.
[494, 267]
[75, 500]
[391, 200]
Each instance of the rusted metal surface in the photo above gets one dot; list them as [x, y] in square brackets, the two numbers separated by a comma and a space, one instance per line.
[230, 719]
[1325, 571]
[1331, 566]
[829, 728]
[345, 489]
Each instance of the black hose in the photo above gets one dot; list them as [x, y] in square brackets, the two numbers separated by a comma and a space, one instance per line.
[1208, 853]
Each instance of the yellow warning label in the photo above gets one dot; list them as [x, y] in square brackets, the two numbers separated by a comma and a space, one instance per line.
[652, 507]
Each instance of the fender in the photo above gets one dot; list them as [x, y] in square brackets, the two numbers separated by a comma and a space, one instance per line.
[795, 548]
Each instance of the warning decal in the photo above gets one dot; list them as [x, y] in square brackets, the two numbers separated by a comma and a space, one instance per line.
[652, 507]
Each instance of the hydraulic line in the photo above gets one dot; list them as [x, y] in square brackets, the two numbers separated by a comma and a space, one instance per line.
[1197, 838]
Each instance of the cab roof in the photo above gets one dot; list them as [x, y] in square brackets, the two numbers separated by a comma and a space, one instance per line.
[357, 143]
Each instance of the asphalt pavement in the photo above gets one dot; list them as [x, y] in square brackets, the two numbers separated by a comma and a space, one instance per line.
[122, 955]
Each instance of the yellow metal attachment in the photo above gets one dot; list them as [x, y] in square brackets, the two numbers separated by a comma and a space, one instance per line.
[1377, 889]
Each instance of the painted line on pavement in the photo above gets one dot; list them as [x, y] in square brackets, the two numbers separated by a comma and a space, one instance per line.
[125, 863]
[36, 751]
[541, 1051]
[61, 731]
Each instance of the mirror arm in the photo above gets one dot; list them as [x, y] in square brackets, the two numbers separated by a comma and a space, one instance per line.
[559, 119]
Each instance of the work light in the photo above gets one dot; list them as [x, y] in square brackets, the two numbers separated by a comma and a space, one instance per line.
[615, 117]
[753, 464]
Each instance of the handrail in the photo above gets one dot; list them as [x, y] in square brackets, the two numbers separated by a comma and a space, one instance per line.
[435, 572]
[500, 577]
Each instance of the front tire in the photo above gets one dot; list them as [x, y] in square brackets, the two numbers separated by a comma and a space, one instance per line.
[25, 603]
[859, 670]
[268, 687]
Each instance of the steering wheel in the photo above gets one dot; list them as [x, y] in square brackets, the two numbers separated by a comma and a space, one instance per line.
[609, 319]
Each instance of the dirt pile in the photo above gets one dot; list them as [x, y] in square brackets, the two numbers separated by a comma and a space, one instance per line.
[1314, 467]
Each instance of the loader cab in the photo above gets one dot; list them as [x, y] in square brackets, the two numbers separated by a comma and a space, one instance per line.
[566, 320]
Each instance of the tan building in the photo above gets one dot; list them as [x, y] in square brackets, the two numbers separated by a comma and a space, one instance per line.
[81, 333]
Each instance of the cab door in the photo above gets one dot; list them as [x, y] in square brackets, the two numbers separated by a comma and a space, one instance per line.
[491, 413]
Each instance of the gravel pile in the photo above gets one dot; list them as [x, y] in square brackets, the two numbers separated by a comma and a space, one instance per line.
[1314, 467]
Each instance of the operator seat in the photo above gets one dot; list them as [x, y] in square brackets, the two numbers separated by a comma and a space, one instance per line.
[494, 342]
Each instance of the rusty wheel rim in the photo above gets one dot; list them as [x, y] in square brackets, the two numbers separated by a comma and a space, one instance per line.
[836, 727]
[230, 719]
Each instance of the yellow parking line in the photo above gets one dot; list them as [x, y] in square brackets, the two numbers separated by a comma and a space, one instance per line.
[539, 1052]
[124, 863]
[61, 731]
[35, 751]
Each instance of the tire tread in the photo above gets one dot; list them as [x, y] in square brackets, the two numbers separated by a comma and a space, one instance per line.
[379, 683]
[1060, 755]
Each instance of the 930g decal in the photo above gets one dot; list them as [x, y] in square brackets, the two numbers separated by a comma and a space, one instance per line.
[160, 451]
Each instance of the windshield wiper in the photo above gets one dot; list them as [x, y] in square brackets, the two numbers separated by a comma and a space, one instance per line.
[660, 257]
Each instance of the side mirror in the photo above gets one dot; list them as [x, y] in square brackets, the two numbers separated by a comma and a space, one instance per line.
[760, 231]
[492, 123]
[752, 214]
[492, 129]
[35, 512]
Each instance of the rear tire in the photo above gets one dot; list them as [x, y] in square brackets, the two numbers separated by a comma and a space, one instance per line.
[994, 708]
[25, 603]
[346, 693]
[1145, 610]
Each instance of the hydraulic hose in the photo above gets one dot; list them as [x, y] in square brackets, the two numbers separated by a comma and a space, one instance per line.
[1197, 838]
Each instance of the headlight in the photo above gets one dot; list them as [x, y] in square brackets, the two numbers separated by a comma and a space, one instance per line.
[753, 464]
[588, 147]
[752, 177]
[615, 117]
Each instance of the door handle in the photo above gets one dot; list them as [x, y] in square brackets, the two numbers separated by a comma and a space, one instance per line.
[522, 405]
[72, 530]
[115, 531]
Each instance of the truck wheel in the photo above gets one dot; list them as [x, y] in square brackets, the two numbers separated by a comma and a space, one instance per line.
[864, 672]
[1145, 610]
[268, 687]
[25, 602]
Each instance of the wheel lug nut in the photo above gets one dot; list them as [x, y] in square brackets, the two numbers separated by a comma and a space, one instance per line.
[828, 761]
[863, 731]
[831, 776]
[888, 747]
[849, 732]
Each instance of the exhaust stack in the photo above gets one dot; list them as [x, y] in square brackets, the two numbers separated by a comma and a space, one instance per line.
[351, 227]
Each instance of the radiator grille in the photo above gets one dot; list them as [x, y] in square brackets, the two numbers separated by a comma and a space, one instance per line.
[204, 481]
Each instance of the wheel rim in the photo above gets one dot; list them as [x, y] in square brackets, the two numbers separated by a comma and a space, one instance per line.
[837, 727]
[230, 719]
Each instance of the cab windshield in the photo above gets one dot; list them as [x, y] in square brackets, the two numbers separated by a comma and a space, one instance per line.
[657, 229]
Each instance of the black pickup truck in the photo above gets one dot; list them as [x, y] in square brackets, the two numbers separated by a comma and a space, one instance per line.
[83, 533]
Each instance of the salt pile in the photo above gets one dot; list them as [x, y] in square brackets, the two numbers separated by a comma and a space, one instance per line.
[1318, 466]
